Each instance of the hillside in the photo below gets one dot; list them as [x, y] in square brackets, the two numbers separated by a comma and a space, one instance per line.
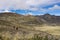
[15, 26]
[50, 19]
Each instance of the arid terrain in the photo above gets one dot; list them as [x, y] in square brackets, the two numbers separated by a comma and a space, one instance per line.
[15, 26]
[54, 30]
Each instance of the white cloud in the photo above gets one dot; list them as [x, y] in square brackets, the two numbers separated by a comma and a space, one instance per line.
[25, 4]
[4, 11]
[30, 13]
[55, 7]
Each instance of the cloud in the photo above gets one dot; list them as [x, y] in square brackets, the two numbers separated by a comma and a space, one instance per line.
[30, 13]
[55, 7]
[25, 4]
[52, 10]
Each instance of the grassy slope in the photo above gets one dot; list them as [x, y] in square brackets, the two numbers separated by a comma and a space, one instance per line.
[54, 30]
[17, 26]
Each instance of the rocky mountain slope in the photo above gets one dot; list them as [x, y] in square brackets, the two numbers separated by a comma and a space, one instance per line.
[50, 19]
[20, 27]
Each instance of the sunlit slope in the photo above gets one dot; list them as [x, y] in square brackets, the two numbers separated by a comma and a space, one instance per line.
[13, 25]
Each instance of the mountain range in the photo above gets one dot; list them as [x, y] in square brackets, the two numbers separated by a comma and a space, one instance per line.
[16, 26]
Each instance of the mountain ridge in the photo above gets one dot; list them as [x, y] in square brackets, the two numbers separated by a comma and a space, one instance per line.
[20, 26]
[45, 19]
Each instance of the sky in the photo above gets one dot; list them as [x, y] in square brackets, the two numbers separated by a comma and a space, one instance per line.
[33, 7]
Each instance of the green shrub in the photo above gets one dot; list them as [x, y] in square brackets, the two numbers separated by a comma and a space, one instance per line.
[36, 37]
[46, 37]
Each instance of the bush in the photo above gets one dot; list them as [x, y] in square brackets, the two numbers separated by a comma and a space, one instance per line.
[36, 37]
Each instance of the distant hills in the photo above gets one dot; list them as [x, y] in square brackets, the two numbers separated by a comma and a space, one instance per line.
[17, 25]
[30, 20]
[50, 19]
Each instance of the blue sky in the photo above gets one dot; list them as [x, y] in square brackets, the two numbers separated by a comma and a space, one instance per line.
[33, 7]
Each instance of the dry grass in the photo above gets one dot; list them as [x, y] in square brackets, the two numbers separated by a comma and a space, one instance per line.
[54, 30]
